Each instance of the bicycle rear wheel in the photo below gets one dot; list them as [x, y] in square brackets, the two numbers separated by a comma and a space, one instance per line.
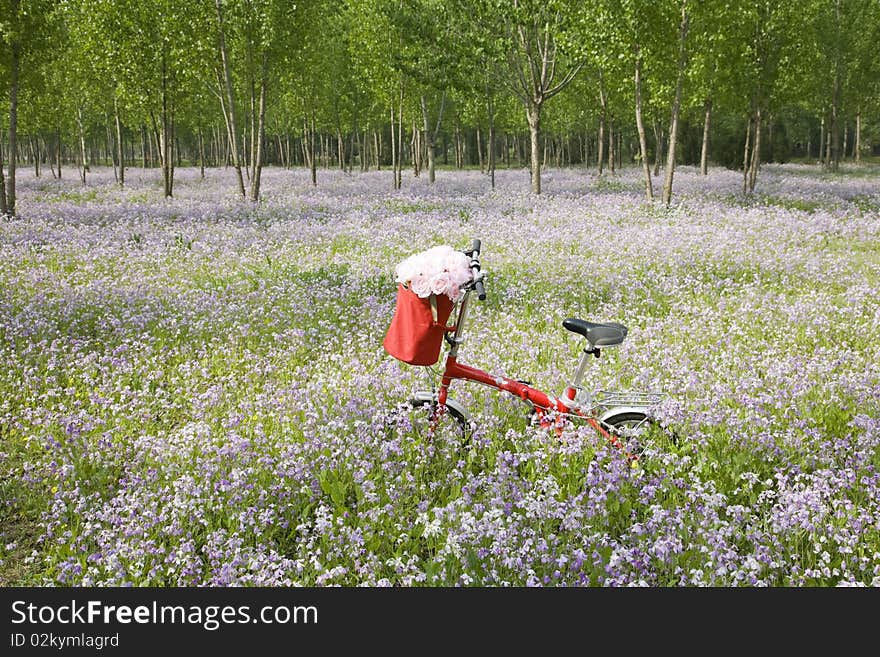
[637, 431]
[630, 427]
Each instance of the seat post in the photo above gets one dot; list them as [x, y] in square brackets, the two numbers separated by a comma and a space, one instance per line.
[582, 367]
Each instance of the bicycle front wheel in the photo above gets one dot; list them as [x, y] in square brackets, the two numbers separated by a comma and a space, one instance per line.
[420, 419]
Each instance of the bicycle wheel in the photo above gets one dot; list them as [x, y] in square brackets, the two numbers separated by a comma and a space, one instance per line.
[638, 432]
[629, 427]
[415, 416]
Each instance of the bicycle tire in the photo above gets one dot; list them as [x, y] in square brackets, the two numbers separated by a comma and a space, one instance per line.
[413, 417]
[639, 432]
[628, 427]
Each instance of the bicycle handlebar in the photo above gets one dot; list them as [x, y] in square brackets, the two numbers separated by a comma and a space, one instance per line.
[475, 268]
[481, 290]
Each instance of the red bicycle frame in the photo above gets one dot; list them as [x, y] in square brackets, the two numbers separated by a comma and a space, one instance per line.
[543, 404]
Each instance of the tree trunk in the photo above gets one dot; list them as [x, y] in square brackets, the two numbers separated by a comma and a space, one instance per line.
[612, 156]
[415, 149]
[822, 141]
[394, 151]
[261, 130]
[377, 151]
[431, 136]
[229, 113]
[35, 153]
[620, 150]
[827, 157]
[857, 141]
[144, 146]
[429, 151]
[58, 150]
[398, 174]
[704, 151]
[340, 150]
[640, 125]
[533, 115]
[834, 127]
[111, 151]
[479, 139]
[13, 120]
[50, 156]
[676, 106]
[746, 156]
[219, 146]
[166, 135]
[600, 138]
[490, 109]
[365, 151]
[310, 152]
[4, 208]
[201, 154]
[120, 146]
[658, 146]
[252, 115]
[756, 152]
[84, 159]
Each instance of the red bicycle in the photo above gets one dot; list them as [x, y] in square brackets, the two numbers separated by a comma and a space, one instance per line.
[620, 417]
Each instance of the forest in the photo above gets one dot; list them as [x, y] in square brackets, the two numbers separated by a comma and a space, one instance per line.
[433, 84]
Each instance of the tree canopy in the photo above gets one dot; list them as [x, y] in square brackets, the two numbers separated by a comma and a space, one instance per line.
[373, 83]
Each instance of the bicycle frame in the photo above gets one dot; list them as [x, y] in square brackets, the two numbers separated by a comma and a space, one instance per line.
[544, 405]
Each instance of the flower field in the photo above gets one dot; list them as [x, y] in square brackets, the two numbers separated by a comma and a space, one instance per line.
[194, 391]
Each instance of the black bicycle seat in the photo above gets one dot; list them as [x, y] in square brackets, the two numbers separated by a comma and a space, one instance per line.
[598, 335]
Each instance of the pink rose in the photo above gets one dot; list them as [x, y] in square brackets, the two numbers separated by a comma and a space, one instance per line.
[421, 285]
[405, 270]
[440, 283]
[459, 267]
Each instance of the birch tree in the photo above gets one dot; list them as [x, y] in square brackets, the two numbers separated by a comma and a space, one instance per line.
[538, 67]
[24, 29]
[682, 43]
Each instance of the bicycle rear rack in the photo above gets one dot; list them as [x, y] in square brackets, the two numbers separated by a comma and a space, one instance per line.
[631, 398]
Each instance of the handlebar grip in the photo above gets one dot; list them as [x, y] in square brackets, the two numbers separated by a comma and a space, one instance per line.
[475, 265]
[481, 290]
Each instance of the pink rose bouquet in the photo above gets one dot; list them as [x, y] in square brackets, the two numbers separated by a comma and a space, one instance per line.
[439, 270]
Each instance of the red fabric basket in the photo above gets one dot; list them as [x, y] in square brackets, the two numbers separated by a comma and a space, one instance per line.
[416, 332]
